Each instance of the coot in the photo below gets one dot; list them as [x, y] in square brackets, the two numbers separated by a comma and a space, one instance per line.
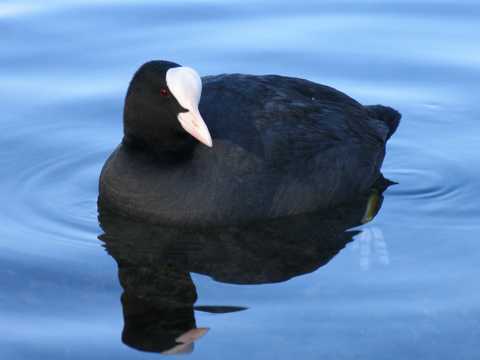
[246, 148]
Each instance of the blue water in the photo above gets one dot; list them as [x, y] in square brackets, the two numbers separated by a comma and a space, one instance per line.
[405, 288]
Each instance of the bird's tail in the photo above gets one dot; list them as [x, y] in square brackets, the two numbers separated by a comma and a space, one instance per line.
[389, 116]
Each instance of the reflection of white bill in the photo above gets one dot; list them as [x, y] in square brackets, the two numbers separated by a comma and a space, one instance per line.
[186, 341]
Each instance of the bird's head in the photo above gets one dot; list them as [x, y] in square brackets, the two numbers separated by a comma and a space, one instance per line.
[161, 108]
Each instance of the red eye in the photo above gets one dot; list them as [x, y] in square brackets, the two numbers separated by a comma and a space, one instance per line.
[164, 92]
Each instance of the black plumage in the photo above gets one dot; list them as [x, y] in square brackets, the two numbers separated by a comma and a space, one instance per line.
[281, 146]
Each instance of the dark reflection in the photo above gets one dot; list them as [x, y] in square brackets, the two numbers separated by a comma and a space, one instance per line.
[155, 262]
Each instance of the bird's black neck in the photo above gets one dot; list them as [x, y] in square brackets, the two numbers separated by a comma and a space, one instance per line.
[172, 154]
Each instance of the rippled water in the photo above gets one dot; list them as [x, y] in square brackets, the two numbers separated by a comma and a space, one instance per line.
[405, 288]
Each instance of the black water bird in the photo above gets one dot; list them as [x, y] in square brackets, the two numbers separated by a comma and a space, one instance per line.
[281, 146]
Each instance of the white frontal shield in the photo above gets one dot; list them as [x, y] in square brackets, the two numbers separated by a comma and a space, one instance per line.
[186, 86]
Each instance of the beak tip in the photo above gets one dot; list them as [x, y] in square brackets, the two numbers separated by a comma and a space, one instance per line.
[208, 142]
[193, 123]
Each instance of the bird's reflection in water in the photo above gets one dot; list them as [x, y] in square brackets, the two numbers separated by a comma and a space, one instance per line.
[155, 262]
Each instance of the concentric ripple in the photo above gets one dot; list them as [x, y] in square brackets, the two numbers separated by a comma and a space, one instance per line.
[57, 197]
[52, 168]
[432, 187]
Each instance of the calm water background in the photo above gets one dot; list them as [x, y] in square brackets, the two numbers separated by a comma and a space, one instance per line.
[407, 288]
